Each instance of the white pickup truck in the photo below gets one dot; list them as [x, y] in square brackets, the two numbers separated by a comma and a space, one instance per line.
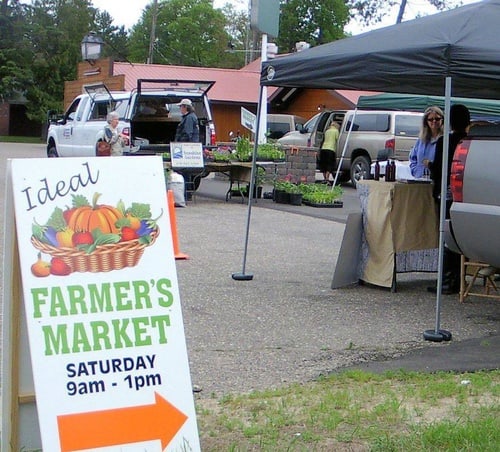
[474, 225]
[149, 115]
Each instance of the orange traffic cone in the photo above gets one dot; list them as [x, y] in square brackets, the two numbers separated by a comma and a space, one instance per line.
[173, 226]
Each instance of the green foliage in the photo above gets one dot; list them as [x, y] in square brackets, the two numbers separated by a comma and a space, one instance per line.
[243, 151]
[270, 152]
[221, 156]
[315, 22]
[284, 185]
[40, 40]
[189, 33]
[40, 49]
[373, 11]
[260, 177]
[320, 193]
[238, 33]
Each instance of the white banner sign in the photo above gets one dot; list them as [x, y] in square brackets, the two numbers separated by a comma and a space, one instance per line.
[248, 120]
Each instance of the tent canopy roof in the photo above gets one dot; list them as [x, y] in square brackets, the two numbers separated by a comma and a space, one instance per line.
[479, 108]
[412, 57]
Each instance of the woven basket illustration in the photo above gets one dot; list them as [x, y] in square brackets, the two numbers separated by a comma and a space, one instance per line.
[104, 258]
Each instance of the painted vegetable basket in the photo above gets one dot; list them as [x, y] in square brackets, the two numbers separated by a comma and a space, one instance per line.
[96, 237]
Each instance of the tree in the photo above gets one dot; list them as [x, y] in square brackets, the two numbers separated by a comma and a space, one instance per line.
[55, 30]
[373, 11]
[115, 38]
[40, 48]
[313, 21]
[188, 32]
[239, 47]
[15, 52]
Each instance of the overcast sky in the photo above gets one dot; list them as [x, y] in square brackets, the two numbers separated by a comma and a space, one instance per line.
[128, 12]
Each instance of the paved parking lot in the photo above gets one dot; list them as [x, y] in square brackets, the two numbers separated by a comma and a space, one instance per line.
[287, 325]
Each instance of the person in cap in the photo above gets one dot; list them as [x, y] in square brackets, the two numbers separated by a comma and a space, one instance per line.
[188, 129]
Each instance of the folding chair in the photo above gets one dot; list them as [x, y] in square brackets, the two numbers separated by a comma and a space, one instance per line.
[470, 272]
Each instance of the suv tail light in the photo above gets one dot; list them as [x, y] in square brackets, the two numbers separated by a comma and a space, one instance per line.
[391, 144]
[458, 169]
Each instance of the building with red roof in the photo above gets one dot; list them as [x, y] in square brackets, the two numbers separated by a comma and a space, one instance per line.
[233, 89]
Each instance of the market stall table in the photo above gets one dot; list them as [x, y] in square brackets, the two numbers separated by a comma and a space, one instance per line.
[238, 173]
[400, 230]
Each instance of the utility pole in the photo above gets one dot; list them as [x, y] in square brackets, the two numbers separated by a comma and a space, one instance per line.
[152, 36]
[401, 11]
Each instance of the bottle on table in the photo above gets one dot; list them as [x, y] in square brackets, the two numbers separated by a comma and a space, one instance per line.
[376, 171]
[390, 171]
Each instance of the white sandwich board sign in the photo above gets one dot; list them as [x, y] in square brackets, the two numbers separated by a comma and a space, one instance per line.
[101, 311]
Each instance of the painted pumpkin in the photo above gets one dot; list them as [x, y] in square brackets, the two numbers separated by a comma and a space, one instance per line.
[88, 218]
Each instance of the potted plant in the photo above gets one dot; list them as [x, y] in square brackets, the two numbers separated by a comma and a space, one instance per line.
[280, 193]
[243, 150]
[294, 194]
[319, 195]
[270, 152]
[260, 178]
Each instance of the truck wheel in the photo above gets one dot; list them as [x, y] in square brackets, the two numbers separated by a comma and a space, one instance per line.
[360, 168]
[52, 152]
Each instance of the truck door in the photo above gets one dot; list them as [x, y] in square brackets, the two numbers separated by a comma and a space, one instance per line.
[65, 133]
[318, 135]
[80, 142]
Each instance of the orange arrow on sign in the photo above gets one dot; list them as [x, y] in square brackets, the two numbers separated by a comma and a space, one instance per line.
[160, 420]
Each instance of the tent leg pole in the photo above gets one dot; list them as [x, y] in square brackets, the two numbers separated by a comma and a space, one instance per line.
[438, 335]
[243, 276]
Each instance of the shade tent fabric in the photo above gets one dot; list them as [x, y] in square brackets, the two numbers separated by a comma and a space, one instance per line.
[411, 57]
[486, 109]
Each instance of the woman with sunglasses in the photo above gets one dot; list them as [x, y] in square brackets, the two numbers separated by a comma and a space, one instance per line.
[424, 150]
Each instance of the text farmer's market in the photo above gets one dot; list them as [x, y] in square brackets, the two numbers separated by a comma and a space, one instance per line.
[120, 333]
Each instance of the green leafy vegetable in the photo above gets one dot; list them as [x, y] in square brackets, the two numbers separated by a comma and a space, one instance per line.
[80, 201]
[57, 220]
[141, 211]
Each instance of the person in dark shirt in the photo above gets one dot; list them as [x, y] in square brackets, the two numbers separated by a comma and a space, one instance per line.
[188, 129]
[459, 124]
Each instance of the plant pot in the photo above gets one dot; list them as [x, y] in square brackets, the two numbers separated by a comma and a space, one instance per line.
[295, 199]
[334, 204]
[281, 197]
[257, 191]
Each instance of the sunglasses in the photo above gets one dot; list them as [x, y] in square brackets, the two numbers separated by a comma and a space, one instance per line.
[434, 119]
